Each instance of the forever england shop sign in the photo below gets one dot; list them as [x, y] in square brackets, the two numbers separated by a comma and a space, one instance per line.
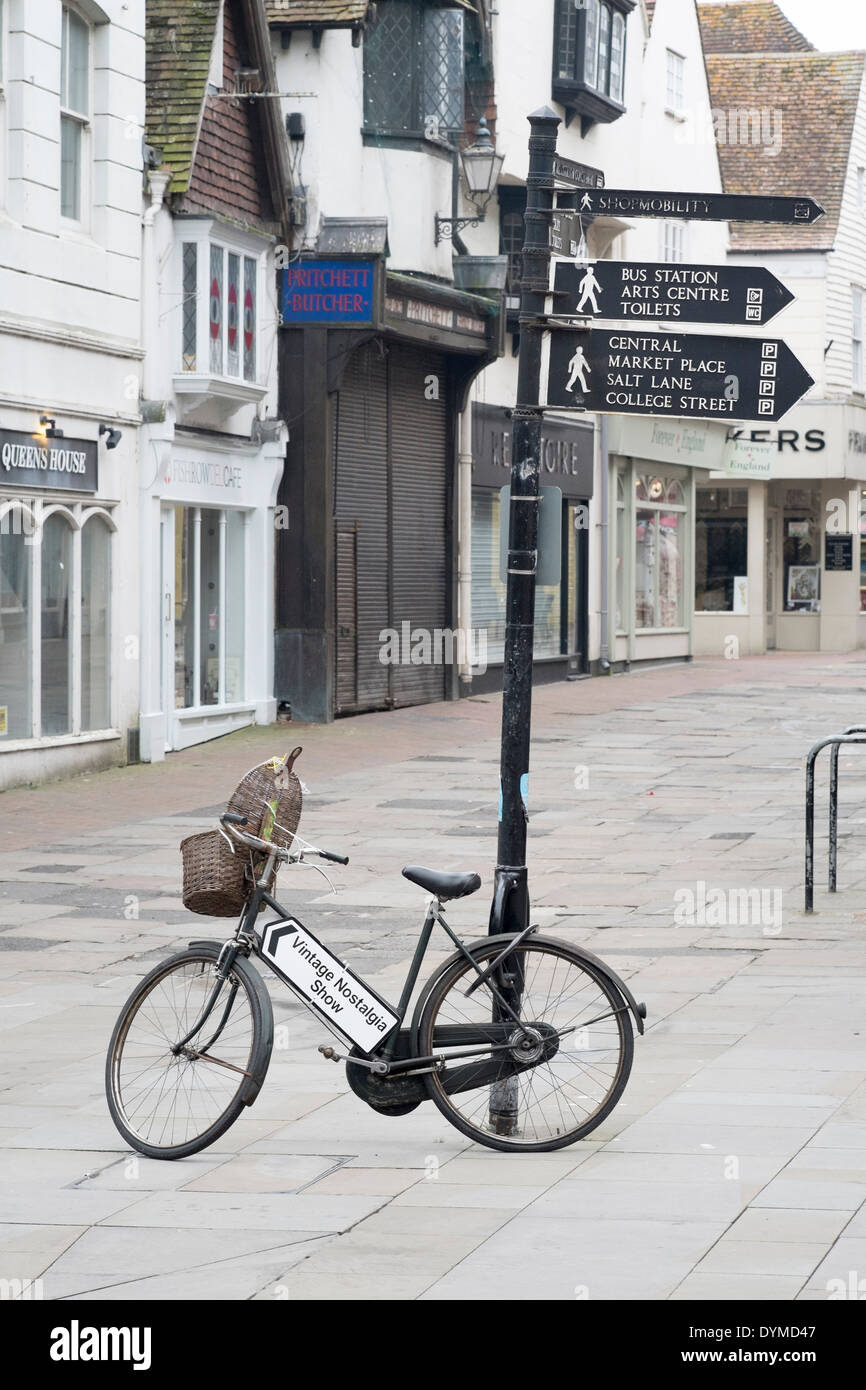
[327, 292]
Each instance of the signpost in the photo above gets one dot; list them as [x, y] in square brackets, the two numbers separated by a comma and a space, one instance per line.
[700, 207]
[663, 372]
[576, 175]
[566, 233]
[647, 290]
[654, 370]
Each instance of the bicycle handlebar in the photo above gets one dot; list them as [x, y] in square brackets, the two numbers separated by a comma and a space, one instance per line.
[232, 822]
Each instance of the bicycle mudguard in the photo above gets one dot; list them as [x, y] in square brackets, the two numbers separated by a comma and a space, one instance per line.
[261, 1059]
[638, 1010]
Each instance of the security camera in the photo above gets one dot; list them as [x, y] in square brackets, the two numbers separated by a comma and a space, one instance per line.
[114, 436]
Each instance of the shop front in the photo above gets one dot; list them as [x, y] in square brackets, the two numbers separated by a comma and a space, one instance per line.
[779, 559]
[63, 701]
[209, 521]
[654, 466]
[374, 371]
[561, 640]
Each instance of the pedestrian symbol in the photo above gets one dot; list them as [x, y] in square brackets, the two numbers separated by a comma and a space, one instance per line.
[586, 203]
[578, 367]
[588, 290]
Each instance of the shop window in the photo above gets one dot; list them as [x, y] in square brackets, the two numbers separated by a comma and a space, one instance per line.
[95, 611]
[660, 530]
[721, 549]
[62, 685]
[589, 57]
[488, 590]
[620, 553]
[16, 716]
[56, 667]
[210, 557]
[74, 112]
[414, 78]
[801, 554]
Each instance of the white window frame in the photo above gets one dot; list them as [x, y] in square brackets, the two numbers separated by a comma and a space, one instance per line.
[857, 377]
[84, 120]
[206, 233]
[675, 81]
[673, 242]
[76, 516]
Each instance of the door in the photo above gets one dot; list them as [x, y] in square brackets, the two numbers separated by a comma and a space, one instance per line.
[771, 579]
[392, 558]
[166, 622]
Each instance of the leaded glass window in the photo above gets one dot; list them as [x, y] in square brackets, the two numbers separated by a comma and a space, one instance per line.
[414, 70]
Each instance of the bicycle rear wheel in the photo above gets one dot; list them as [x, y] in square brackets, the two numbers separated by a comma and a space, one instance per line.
[168, 1102]
[551, 1075]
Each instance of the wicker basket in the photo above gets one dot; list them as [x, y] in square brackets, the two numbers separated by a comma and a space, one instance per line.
[270, 798]
[214, 880]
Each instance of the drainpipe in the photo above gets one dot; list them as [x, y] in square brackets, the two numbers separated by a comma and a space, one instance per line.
[464, 548]
[604, 656]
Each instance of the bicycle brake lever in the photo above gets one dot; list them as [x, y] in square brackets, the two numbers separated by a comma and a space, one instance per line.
[324, 876]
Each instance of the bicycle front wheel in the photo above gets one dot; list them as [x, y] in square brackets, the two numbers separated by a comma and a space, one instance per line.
[560, 1052]
[170, 1098]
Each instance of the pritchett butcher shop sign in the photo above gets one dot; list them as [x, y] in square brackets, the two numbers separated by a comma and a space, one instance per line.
[27, 460]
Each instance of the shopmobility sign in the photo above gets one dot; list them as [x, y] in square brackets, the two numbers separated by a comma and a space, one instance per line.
[30, 460]
[700, 207]
[316, 291]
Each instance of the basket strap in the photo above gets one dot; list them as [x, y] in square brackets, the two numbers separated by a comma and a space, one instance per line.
[290, 760]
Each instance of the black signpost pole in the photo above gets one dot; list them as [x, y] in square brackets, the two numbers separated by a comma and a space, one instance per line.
[510, 909]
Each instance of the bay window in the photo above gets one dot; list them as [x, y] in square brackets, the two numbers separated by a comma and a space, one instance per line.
[589, 57]
[414, 76]
[219, 278]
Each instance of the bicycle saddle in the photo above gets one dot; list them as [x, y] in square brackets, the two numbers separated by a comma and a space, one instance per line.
[442, 886]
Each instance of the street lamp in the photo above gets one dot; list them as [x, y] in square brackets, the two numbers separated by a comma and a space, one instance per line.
[481, 166]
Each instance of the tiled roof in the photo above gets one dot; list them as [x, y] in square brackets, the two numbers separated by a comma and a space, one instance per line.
[749, 26]
[805, 104]
[180, 37]
[304, 13]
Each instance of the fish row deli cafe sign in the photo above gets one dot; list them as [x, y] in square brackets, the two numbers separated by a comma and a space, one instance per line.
[31, 460]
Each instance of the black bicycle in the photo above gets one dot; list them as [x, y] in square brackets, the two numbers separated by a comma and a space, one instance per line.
[523, 1042]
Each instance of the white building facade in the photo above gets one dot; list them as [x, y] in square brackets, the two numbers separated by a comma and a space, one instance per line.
[212, 445]
[71, 123]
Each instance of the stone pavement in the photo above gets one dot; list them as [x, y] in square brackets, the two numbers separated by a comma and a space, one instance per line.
[666, 835]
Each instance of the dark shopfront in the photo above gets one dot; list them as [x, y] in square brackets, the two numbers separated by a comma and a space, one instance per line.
[561, 646]
[369, 485]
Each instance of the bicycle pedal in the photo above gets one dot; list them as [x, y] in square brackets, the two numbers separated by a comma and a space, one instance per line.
[331, 1053]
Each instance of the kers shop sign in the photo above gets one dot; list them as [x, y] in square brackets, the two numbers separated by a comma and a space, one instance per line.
[28, 460]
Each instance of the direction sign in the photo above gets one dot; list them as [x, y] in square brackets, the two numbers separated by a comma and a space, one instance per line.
[565, 234]
[660, 372]
[578, 175]
[700, 207]
[650, 290]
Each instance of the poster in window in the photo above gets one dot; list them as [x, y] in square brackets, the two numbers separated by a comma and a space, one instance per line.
[804, 588]
[4, 723]
[741, 594]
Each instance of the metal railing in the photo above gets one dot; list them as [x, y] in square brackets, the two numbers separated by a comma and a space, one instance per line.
[855, 733]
